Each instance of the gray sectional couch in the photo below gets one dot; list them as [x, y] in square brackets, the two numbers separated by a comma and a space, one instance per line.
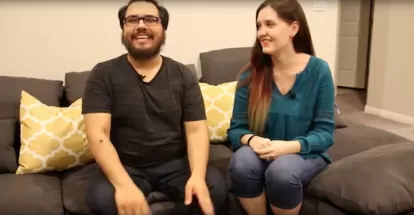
[371, 172]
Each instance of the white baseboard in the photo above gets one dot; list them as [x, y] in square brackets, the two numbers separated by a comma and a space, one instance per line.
[389, 115]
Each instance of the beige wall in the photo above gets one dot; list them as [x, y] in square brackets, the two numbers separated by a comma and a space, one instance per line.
[46, 39]
[391, 77]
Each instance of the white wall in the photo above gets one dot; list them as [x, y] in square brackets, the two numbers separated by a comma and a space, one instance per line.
[46, 39]
[391, 74]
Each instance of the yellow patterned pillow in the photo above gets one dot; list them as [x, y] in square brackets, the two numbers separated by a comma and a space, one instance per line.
[218, 102]
[52, 138]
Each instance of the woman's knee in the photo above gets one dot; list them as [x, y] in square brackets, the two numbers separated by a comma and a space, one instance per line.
[246, 171]
[283, 181]
[245, 164]
[285, 171]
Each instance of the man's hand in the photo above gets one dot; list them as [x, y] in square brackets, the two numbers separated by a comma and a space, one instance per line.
[259, 143]
[131, 201]
[198, 187]
[276, 149]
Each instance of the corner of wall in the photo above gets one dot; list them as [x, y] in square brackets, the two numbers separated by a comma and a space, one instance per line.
[378, 54]
[335, 70]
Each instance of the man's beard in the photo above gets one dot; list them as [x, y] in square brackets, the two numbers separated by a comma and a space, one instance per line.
[143, 54]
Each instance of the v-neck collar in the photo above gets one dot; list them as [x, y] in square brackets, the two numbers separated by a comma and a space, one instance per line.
[298, 76]
[132, 69]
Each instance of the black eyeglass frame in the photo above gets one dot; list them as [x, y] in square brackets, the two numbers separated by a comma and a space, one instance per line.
[149, 20]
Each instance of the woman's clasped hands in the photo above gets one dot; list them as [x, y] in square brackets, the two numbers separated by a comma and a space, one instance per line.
[266, 148]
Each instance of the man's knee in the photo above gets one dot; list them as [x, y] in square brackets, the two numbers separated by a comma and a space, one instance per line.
[101, 198]
[218, 190]
[216, 185]
[246, 171]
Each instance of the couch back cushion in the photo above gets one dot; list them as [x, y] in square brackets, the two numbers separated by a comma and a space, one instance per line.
[75, 83]
[192, 68]
[8, 157]
[50, 92]
[224, 65]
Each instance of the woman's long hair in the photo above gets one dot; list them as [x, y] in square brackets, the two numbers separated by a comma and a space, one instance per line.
[261, 79]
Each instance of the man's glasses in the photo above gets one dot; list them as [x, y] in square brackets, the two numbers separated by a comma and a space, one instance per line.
[132, 21]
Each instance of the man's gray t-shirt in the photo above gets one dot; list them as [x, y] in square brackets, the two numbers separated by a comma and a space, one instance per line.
[147, 126]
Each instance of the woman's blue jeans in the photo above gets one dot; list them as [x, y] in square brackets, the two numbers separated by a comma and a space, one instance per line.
[282, 179]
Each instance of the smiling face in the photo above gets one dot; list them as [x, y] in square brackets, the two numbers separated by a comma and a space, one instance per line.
[273, 33]
[143, 34]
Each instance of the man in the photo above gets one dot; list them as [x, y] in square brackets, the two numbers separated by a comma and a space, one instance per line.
[145, 123]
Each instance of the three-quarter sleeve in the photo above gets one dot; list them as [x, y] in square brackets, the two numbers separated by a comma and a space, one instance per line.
[320, 136]
[239, 125]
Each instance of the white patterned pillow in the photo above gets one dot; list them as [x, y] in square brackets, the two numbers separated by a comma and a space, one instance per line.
[52, 138]
[218, 101]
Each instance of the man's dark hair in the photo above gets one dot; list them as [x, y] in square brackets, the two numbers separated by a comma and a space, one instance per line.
[163, 13]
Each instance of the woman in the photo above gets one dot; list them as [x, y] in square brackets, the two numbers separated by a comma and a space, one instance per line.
[283, 116]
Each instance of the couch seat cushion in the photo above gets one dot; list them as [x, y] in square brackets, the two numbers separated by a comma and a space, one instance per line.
[357, 138]
[375, 181]
[316, 206]
[75, 184]
[30, 194]
[220, 156]
[74, 188]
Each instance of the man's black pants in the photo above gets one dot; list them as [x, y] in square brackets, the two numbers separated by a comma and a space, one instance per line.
[169, 178]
